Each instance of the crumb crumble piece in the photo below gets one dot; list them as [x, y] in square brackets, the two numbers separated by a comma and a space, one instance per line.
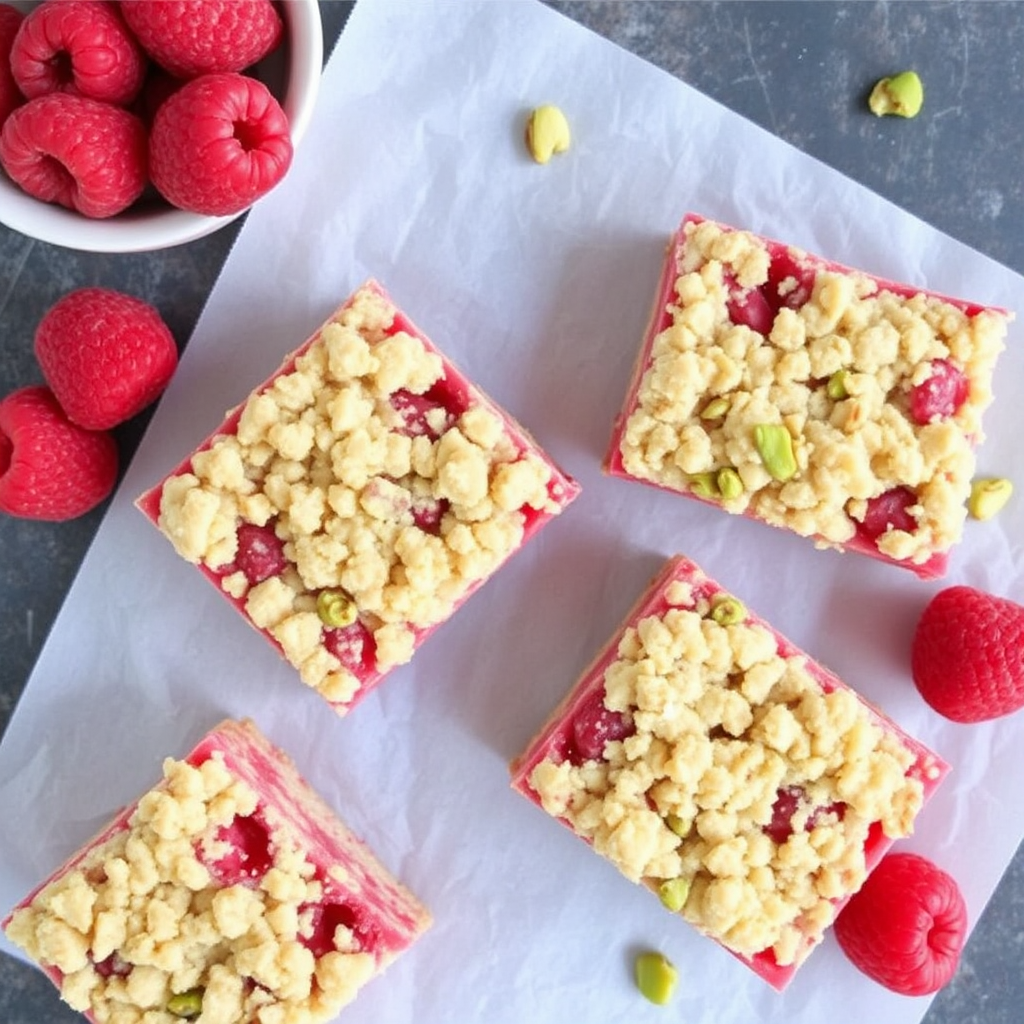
[876, 389]
[716, 764]
[367, 468]
[203, 892]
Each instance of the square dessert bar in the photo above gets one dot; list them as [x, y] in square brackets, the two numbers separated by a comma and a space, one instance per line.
[230, 890]
[715, 763]
[358, 497]
[801, 393]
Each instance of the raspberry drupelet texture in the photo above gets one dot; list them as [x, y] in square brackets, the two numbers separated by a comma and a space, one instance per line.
[77, 152]
[49, 467]
[106, 355]
[78, 46]
[196, 37]
[906, 926]
[968, 655]
[218, 144]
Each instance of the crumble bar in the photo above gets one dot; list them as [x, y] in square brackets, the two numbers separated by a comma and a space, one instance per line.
[810, 396]
[715, 763]
[358, 497]
[229, 893]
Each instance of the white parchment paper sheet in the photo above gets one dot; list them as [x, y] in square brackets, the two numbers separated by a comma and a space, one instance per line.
[537, 281]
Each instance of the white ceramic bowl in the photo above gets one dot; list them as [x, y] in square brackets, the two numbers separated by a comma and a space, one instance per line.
[293, 74]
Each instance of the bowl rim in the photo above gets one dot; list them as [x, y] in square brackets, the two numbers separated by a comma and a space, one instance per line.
[142, 230]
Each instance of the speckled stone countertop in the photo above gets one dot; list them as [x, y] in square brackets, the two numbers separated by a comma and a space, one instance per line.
[800, 70]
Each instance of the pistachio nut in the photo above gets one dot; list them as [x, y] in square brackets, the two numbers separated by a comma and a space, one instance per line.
[715, 409]
[547, 133]
[673, 893]
[656, 977]
[186, 1004]
[678, 824]
[774, 444]
[336, 608]
[704, 485]
[902, 95]
[836, 386]
[988, 496]
[729, 483]
[727, 610]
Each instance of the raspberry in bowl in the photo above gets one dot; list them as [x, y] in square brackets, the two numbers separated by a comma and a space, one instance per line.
[253, 55]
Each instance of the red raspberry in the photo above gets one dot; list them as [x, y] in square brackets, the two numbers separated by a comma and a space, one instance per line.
[106, 355]
[218, 144]
[10, 95]
[354, 646]
[941, 394]
[260, 554]
[890, 509]
[906, 926]
[594, 726]
[967, 656]
[83, 154]
[77, 46]
[49, 467]
[195, 37]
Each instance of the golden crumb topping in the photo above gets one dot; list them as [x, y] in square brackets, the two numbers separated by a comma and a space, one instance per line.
[378, 494]
[802, 416]
[143, 931]
[746, 788]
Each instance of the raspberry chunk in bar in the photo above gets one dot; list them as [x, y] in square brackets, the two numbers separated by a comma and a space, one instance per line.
[230, 888]
[715, 763]
[801, 393]
[358, 497]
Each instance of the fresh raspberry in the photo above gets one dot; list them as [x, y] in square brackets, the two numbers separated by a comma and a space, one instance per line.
[421, 414]
[888, 510]
[967, 655]
[106, 355]
[10, 95]
[790, 282]
[354, 646]
[49, 467]
[941, 394]
[218, 144]
[906, 926]
[81, 47]
[260, 553]
[195, 37]
[595, 725]
[83, 154]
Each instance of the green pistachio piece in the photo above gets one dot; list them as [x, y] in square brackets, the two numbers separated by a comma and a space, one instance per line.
[836, 386]
[673, 892]
[704, 485]
[727, 610]
[902, 95]
[186, 1004]
[775, 446]
[335, 608]
[656, 977]
[729, 483]
[678, 824]
[715, 408]
[988, 496]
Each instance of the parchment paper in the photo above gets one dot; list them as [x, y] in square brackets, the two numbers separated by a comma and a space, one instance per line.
[537, 281]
